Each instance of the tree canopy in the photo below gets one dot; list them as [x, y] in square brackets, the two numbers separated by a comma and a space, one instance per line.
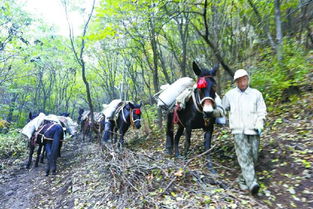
[131, 48]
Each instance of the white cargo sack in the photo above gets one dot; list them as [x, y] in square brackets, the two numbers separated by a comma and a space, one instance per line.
[168, 96]
[54, 118]
[184, 97]
[33, 125]
[85, 115]
[109, 109]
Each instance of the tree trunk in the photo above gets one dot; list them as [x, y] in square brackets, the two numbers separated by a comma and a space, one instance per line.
[310, 35]
[79, 56]
[279, 35]
[155, 64]
[265, 27]
[210, 43]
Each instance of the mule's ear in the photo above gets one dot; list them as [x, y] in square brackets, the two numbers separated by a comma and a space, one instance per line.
[196, 68]
[140, 104]
[214, 69]
[131, 105]
[30, 115]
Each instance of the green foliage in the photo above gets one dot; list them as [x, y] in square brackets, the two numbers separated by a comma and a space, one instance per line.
[149, 114]
[4, 125]
[274, 77]
[11, 144]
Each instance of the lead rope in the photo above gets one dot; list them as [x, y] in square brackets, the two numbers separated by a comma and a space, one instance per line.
[176, 118]
[123, 115]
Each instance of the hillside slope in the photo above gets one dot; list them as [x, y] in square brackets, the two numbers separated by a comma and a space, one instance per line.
[141, 176]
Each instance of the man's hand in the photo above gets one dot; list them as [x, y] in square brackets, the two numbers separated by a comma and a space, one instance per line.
[217, 112]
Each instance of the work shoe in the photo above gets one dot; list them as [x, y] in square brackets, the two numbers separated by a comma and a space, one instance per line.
[254, 189]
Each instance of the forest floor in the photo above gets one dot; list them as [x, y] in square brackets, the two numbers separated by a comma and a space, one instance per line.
[142, 176]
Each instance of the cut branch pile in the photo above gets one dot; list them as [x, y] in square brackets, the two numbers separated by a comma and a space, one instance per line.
[141, 179]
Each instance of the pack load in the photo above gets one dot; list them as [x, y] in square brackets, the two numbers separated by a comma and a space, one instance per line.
[97, 116]
[184, 97]
[167, 96]
[108, 110]
[85, 115]
[33, 125]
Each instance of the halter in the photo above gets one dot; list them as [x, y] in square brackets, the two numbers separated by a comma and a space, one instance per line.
[197, 102]
[131, 116]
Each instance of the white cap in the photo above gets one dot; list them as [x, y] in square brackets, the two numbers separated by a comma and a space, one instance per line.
[240, 73]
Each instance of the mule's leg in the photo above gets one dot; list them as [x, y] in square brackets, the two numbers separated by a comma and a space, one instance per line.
[169, 134]
[90, 132]
[107, 132]
[113, 132]
[57, 137]
[187, 140]
[207, 140]
[97, 131]
[121, 141]
[48, 147]
[82, 137]
[38, 154]
[122, 130]
[207, 146]
[30, 156]
[59, 149]
[114, 135]
[43, 155]
[180, 132]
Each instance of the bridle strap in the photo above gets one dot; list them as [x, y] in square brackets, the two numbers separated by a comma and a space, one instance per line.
[131, 117]
[194, 99]
[123, 115]
[205, 98]
[206, 76]
[198, 104]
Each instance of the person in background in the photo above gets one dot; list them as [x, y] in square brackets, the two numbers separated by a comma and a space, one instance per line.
[247, 112]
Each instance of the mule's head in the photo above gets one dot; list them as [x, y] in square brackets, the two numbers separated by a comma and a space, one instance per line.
[206, 87]
[135, 114]
[31, 116]
[65, 114]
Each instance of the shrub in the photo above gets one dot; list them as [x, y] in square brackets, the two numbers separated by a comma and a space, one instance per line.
[276, 78]
[11, 144]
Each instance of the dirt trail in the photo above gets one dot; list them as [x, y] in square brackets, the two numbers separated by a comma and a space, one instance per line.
[23, 188]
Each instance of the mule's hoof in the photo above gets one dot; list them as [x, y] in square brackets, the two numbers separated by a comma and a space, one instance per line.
[168, 152]
[54, 173]
[103, 142]
[180, 157]
[213, 171]
[47, 173]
